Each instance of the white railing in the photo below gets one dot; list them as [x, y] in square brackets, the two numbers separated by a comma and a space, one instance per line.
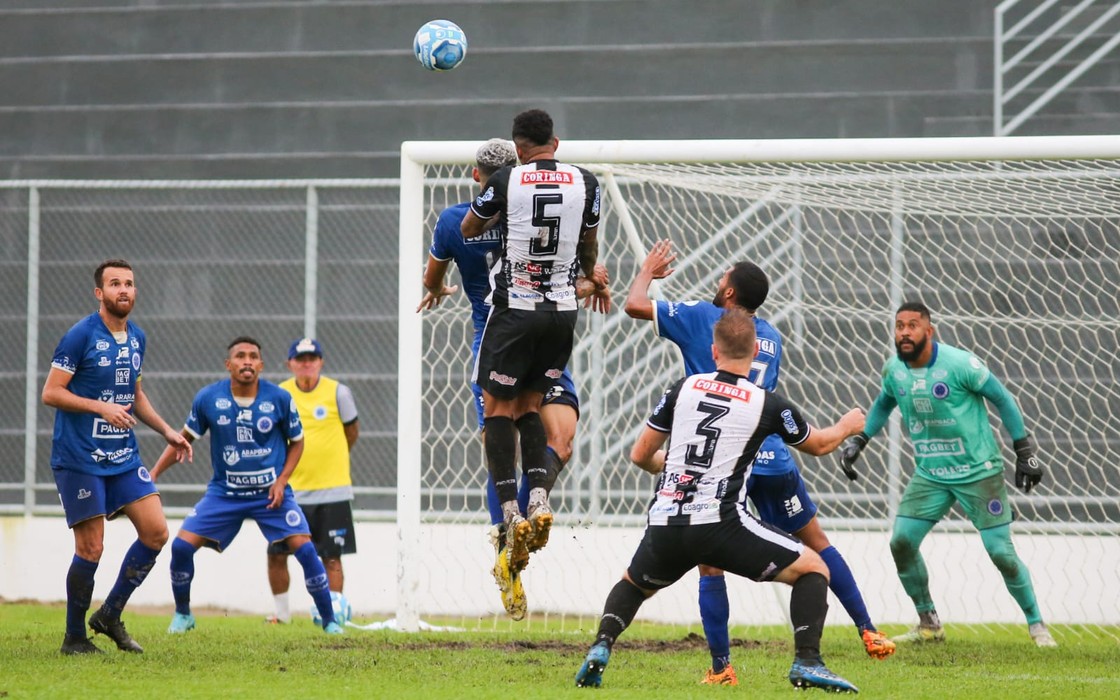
[1042, 25]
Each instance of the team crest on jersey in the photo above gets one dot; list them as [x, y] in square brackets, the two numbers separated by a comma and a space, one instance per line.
[320, 412]
[144, 475]
[916, 426]
[485, 196]
[136, 361]
[134, 343]
[995, 506]
[230, 456]
[107, 396]
[293, 518]
[264, 424]
[940, 390]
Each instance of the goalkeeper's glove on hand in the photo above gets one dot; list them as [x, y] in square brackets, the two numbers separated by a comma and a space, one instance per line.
[1028, 472]
[849, 453]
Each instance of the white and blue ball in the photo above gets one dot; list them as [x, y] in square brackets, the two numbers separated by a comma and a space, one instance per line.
[342, 610]
[440, 45]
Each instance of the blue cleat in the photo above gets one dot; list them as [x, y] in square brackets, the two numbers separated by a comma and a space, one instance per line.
[590, 674]
[814, 674]
[181, 624]
[333, 628]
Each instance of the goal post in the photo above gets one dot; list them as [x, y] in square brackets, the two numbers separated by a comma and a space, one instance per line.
[1013, 242]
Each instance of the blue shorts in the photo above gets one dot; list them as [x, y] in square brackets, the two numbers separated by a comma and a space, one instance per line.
[782, 501]
[218, 519]
[85, 496]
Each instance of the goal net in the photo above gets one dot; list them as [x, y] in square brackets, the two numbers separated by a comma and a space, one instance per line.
[1013, 243]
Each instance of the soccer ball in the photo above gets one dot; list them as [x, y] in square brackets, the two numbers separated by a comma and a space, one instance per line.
[342, 610]
[440, 45]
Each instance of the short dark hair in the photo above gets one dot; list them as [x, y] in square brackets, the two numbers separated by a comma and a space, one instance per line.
[734, 334]
[534, 126]
[917, 307]
[243, 339]
[750, 284]
[99, 272]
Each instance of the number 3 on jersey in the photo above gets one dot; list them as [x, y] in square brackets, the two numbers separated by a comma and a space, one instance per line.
[548, 227]
[703, 457]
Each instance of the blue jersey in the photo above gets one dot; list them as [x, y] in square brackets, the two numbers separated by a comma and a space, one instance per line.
[105, 370]
[248, 444]
[689, 325]
[474, 256]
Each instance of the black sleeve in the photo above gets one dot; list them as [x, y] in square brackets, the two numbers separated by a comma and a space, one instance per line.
[492, 200]
[782, 418]
[591, 207]
[661, 419]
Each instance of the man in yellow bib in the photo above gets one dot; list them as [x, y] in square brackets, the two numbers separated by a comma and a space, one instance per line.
[321, 481]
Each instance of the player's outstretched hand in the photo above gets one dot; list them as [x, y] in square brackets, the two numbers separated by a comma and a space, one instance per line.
[1028, 472]
[849, 453]
[432, 299]
[659, 261]
[599, 301]
[181, 446]
[276, 494]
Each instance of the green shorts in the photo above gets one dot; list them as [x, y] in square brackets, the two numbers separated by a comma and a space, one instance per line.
[984, 502]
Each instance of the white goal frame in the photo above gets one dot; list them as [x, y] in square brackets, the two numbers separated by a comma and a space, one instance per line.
[414, 233]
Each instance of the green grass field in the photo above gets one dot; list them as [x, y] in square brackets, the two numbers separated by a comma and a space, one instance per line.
[241, 657]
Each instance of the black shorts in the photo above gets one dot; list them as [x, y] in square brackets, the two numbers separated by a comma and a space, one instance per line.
[523, 351]
[332, 530]
[747, 548]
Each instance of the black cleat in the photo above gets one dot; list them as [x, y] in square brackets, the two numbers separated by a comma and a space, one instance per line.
[78, 645]
[113, 628]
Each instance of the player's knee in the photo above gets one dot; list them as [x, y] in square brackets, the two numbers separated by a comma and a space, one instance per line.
[902, 547]
[562, 448]
[1002, 553]
[155, 538]
[90, 550]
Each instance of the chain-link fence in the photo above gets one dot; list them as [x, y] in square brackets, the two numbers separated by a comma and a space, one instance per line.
[276, 260]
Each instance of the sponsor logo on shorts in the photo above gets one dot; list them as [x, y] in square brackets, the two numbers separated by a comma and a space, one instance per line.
[793, 506]
[144, 475]
[293, 518]
[767, 573]
[995, 506]
[503, 379]
[940, 390]
[656, 581]
[83, 494]
[553, 373]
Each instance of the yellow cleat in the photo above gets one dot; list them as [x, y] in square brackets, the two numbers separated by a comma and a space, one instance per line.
[541, 520]
[509, 583]
[725, 677]
[877, 644]
[920, 634]
[519, 534]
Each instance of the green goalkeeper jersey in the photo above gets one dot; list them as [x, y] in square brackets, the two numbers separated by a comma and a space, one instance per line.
[945, 414]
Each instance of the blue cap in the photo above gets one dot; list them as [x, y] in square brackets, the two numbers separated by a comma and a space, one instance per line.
[305, 346]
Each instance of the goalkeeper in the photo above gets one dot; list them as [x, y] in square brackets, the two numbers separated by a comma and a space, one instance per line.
[940, 391]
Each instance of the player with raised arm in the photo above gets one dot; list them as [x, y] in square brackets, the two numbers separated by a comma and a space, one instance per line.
[256, 441]
[551, 215]
[715, 423]
[560, 407]
[95, 385]
[775, 486]
[940, 391]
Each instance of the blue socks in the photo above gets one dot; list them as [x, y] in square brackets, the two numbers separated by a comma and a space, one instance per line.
[843, 585]
[714, 614]
[315, 576]
[79, 593]
[134, 569]
[182, 572]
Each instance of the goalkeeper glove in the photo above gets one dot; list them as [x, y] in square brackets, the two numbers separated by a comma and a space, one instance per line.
[1028, 472]
[849, 453]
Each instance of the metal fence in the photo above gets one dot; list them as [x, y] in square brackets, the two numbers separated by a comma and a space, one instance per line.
[273, 259]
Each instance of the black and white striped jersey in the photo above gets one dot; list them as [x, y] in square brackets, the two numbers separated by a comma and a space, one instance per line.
[547, 205]
[716, 423]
